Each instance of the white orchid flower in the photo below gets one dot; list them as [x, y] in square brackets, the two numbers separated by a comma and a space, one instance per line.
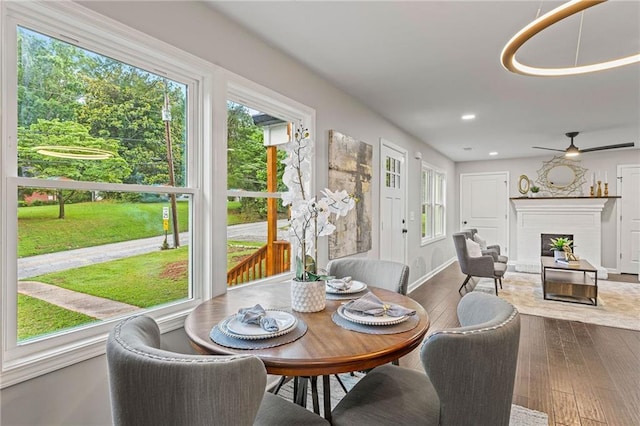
[309, 217]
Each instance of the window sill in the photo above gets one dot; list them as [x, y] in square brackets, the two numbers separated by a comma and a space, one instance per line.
[426, 242]
[55, 358]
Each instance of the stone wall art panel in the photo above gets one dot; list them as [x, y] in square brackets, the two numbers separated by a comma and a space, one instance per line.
[350, 168]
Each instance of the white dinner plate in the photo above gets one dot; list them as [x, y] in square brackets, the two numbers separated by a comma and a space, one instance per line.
[234, 328]
[356, 287]
[370, 319]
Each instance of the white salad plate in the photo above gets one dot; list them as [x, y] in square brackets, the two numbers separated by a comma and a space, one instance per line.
[370, 319]
[356, 287]
[234, 328]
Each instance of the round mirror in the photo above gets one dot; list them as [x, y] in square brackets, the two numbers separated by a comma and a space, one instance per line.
[561, 176]
[523, 184]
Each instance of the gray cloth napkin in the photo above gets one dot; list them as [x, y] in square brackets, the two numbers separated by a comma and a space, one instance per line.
[257, 315]
[370, 304]
[340, 283]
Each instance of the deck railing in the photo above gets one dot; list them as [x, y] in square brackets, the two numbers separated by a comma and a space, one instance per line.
[255, 266]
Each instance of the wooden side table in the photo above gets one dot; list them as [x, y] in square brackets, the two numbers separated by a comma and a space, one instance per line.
[569, 283]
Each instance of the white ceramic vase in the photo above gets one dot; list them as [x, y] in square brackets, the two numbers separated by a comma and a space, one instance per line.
[308, 296]
[559, 254]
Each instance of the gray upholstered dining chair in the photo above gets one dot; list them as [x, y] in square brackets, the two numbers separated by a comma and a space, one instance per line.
[385, 274]
[481, 266]
[469, 380]
[152, 386]
[493, 250]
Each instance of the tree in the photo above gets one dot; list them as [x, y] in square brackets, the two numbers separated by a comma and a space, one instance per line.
[125, 103]
[49, 82]
[247, 158]
[59, 137]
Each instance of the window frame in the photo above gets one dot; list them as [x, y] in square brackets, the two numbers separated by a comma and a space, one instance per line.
[75, 24]
[429, 201]
[250, 94]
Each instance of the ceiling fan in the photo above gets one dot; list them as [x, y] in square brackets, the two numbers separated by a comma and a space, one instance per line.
[573, 150]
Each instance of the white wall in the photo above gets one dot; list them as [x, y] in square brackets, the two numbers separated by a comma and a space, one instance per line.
[601, 161]
[78, 395]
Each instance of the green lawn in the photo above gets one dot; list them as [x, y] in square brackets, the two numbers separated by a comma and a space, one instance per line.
[90, 224]
[97, 223]
[36, 317]
[145, 280]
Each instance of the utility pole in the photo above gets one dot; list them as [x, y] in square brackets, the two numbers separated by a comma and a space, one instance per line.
[166, 117]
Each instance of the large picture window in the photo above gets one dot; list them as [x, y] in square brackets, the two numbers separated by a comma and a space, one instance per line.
[433, 184]
[114, 181]
[99, 208]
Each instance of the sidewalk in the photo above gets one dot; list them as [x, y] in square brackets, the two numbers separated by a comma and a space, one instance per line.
[93, 306]
[99, 307]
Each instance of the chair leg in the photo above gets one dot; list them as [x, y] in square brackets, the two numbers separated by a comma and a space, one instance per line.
[282, 381]
[466, 280]
[495, 281]
[344, 388]
[500, 280]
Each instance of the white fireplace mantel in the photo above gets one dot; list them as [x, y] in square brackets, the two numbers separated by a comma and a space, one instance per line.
[579, 216]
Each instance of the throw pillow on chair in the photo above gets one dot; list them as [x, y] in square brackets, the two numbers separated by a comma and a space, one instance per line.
[473, 249]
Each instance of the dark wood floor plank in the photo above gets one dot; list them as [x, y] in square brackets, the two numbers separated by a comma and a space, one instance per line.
[559, 376]
[523, 372]
[565, 409]
[599, 382]
[588, 422]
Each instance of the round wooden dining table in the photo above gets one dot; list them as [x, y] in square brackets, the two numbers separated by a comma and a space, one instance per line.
[326, 348]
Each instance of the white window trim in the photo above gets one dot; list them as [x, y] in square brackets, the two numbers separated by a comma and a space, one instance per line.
[434, 171]
[95, 32]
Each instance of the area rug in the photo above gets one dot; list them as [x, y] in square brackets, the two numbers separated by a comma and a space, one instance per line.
[520, 416]
[618, 302]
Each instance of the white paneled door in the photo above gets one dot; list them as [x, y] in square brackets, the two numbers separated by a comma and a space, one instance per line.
[484, 204]
[629, 214]
[393, 226]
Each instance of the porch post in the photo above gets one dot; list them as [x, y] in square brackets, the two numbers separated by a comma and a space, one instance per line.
[272, 208]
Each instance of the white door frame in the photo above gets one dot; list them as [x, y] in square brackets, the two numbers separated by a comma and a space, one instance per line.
[507, 220]
[619, 215]
[381, 183]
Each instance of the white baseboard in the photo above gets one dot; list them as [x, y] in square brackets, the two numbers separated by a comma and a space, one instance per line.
[417, 283]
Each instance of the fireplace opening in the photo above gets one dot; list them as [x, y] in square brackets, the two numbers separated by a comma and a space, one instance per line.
[545, 240]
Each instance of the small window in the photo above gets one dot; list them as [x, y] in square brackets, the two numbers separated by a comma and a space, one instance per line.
[433, 215]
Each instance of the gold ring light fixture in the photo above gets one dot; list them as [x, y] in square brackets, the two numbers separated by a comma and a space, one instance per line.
[508, 56]
[74, 152]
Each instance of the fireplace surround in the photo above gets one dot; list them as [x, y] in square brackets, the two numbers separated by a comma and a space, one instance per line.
[577, 216]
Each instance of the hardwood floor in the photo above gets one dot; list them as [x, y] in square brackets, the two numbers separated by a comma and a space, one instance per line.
[579, 374]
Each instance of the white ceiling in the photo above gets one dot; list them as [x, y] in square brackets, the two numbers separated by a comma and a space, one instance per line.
[422, 64]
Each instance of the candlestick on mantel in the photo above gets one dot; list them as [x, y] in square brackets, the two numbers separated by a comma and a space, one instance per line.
[606, 189]
[599, 192]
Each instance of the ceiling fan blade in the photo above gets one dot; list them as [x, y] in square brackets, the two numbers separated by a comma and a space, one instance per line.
[550, 149]
[601, 148]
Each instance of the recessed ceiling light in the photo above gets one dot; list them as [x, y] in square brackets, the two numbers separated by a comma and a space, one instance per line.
[468, 116]
[493, 153]
[467, 148]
